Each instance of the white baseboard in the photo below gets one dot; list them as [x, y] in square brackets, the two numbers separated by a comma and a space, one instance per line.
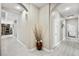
[57, 44]
[45, 49]
[33, 49]
[52, 49]
[25, 46]
[21, 43]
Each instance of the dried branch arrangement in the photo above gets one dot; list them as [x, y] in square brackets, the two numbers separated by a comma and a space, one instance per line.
[38, 33]
[38, 37]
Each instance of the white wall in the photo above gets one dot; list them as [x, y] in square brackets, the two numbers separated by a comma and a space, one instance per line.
[44, 22]
[32, 21]
[55, 29]
[22, 29]
[26, 35]
[51, 27]
[0, 28]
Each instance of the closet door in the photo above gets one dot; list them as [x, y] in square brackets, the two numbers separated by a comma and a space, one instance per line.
[72, 28]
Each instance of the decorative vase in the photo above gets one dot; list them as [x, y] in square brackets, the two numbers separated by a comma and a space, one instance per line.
[39, 45]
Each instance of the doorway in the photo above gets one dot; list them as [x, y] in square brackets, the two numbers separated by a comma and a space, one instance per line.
[72, 28]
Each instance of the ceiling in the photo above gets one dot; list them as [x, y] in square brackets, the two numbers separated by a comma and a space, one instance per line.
[39, 5]
[68, 9]
[17, 7]
[12, 6]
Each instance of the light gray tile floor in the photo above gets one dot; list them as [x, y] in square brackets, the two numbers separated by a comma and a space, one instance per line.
[11, 47]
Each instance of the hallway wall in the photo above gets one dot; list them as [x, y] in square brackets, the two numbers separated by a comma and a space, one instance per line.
[0, 28]
[33, 20]
[35, 16]
[44, 22]
[27, 23]
[55, 29]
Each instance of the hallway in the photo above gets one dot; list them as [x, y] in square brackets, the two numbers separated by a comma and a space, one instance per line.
[43, 26]
[11, 47]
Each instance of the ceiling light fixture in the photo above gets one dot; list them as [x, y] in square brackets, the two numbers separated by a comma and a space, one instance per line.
[68, 8]
[18, 7]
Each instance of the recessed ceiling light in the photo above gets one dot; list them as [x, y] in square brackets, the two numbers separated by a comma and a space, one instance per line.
[68, 8]
[18, 7]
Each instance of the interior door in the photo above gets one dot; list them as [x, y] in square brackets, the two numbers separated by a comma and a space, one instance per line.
[72, 28]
